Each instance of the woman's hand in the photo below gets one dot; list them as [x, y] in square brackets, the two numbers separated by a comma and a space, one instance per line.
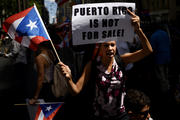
[32, 101]
[65, 71]
[135, 20]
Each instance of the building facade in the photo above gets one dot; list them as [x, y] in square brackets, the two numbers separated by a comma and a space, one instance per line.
[162, 10]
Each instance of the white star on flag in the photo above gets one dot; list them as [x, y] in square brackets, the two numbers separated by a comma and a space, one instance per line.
[48, 108]
[32, 24]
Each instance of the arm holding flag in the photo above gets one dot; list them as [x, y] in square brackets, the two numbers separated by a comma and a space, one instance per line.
[44, 62]
[40, 63]
[28, 29]
[75, 88]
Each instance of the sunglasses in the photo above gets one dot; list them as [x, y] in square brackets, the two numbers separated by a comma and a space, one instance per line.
[137, 115]
[145, 113]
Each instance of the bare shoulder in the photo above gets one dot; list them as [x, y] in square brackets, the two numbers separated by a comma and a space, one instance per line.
[40, 59]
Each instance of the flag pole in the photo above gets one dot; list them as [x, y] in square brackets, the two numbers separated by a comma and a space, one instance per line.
[23, 104]
[55, 51]
[47, 33]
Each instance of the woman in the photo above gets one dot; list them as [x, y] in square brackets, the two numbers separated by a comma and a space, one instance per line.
[109, 95]
[44, 62]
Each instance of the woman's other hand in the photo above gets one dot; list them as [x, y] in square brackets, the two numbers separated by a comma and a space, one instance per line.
[32, 101]
[135, 20]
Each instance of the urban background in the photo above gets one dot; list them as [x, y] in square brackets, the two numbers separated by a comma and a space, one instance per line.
[167, 10]
[57, 13]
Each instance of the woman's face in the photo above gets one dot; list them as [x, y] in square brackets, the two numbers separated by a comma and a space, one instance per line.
[108, 49]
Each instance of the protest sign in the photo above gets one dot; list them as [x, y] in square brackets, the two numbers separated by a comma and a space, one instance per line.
[100, 22]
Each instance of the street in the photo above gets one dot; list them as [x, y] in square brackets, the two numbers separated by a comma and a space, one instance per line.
[12, 91]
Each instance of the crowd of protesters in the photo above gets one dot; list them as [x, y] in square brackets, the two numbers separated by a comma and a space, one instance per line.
[141, 75]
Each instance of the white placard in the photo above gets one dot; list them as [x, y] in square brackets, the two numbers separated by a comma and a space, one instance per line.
[100, 22]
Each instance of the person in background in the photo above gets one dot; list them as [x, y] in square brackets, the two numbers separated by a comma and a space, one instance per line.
[5, 43]
[44, 62]
[161, 44]
[45, 59]
[138, 105]
[103, 79]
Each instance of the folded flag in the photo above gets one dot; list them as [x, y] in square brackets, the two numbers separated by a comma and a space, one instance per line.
[47, 111]
[27, 28]
[43, 110]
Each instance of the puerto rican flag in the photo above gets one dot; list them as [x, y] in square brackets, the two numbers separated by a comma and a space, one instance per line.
[27, 28]
[47, 111]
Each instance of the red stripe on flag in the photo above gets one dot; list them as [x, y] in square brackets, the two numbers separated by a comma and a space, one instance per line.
[7, 23]
[33, 46]
[44, 118]
[38, 112]
[36, 41]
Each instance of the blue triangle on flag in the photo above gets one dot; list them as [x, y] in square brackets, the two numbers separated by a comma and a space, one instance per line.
[48, 109]
[24, 30]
